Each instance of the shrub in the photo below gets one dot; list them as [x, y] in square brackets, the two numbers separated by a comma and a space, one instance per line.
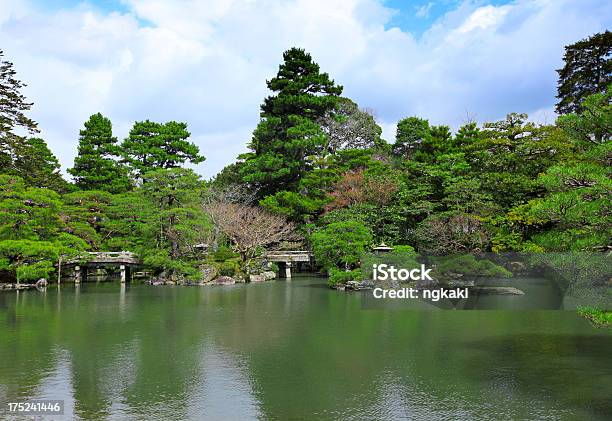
[337, 276]
[229, 268]
[600, 318]
[224, 253]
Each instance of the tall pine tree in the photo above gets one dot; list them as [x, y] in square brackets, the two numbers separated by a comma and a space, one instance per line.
[289, 134]
[94, 167]
[587, 71]
[13, 106]
[151, 146]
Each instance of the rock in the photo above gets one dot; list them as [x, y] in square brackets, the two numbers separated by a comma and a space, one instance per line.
[42, 283]
[454, 275]
[359, 285]
[269, 275]
[516, 266]
[157, 283]
[257, 278]
[169, 283]
[240, 279]
[224, 280]
[460, 283]
[209, 272]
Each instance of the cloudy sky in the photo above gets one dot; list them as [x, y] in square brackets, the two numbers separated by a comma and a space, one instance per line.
[205, 62]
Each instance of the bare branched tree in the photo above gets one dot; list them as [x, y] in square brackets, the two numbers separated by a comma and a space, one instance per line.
[250, 228]
[216, 196]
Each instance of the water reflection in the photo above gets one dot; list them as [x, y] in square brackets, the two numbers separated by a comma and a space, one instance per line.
[293, 351]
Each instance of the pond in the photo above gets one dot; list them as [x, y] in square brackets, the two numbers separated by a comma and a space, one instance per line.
[294, 350]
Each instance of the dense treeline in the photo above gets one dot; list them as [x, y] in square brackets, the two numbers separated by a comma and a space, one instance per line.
[317, 163]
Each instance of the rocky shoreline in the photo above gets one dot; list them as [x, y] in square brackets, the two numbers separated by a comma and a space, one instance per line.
[41, 283]
[211, 277]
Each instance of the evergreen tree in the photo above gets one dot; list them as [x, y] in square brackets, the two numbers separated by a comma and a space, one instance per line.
[411, 133]
[38, 167]
[587, 70]
[152, 146]
[13, 106]
[288, 135]
[94, 167]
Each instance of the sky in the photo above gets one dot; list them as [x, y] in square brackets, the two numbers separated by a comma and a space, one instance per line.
[206, 62]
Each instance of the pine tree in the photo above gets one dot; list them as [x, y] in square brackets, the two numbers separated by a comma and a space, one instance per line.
[587, 70]
[152, 146]
[13, 106]
[94, 167]
[289, 134]
[412, 132]
[38, 167]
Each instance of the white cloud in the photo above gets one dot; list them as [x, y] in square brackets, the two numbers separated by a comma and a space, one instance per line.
[483, 18]
[423, 11]
[206, 62]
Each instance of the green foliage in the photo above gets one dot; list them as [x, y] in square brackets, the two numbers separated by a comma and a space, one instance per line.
[152, 145]
[403, 249]
[600, 318]
[577, 205]
[412, 133]
[295, 206]
[468, 264]
[230, 267]
[340, 244]
[593, 124]
[318, 160]
[27, 212]
[37, 166]
[94, 166]
[289, 136]
[177, 222]
[29, 159]
[224, 253]
[587, 71]
[338, 276]
[32, 233]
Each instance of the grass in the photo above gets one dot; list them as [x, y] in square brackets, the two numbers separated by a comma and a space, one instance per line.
[600, 318]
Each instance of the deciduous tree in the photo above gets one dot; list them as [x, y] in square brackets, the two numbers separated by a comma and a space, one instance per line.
[250, 229]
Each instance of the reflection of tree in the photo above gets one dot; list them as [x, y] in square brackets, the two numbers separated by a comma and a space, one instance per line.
[306, 351]
[25, 356]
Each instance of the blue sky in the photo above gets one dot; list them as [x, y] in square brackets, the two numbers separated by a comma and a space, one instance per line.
[205, 62]
[418, 16]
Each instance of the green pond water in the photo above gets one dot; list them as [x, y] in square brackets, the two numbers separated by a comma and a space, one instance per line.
[295, 350]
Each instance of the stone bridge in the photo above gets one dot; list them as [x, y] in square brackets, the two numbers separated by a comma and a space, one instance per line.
[287, 258]
[125, 260]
